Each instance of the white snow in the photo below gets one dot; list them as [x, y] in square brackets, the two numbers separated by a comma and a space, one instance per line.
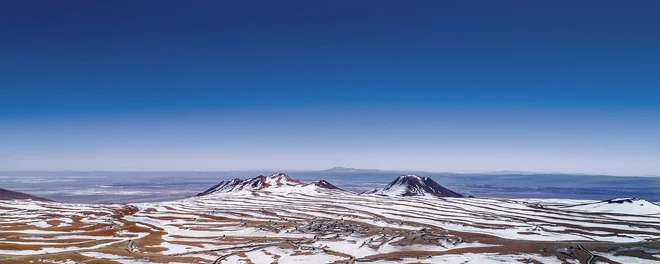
[40, 224]
[484, 258]
[258, 222]
[628, 206]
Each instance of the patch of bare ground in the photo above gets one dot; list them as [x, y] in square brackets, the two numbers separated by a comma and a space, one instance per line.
[126, 210]
[170, 218]
[151, 258]
[216, 218]
[302, 253]
[116, 250]
[16, 227]
[267, 212]
[101, 261]
[151, 226]
[150, 242]
[150, 211]
[155, 258]
[52, 215]
[54, 223]
[31, 239]
[599, 259]
[199, 244]
[93, 213]
[8, 228]
[87, 244]
[61, 257]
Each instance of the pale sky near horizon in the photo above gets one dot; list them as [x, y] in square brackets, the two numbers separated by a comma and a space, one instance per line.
[455, 86]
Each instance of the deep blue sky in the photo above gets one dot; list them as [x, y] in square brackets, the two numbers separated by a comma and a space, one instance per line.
[465, 86]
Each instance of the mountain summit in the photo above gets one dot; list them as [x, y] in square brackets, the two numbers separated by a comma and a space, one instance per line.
[273, 182]
[413, 185]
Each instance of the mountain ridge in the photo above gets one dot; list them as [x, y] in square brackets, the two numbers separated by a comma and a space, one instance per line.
[14, 195]
[261, 182]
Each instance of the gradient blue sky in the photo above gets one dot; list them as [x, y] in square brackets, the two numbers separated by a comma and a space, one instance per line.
[462, 86]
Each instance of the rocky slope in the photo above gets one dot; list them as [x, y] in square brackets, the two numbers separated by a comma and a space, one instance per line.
[12, 195]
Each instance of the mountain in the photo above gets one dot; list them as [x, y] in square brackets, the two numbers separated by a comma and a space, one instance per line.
[271, 183]
[413, 185]
[12, 195]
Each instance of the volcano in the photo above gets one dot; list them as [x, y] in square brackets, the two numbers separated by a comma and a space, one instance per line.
[268, 183]
[413, 185]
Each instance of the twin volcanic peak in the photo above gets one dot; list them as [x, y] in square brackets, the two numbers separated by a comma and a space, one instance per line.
[261, 182]
[405, 185]
[413, 185]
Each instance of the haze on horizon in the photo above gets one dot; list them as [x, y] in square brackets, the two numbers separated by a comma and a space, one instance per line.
[456, 86]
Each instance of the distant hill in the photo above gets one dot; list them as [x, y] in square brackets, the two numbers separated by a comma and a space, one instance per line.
[12, 195]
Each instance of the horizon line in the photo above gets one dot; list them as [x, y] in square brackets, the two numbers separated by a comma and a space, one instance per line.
[492, 173]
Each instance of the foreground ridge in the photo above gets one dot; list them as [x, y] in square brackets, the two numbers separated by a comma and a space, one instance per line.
[331, 227]
[276, 218]
[277, 181]
[13, 195]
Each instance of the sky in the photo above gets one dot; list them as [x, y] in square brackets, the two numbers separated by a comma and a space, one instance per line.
[459, 86]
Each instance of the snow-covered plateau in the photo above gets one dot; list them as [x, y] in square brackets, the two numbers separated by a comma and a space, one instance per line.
[276, 219]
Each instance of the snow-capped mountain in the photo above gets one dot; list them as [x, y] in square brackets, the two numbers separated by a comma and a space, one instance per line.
[413, 185]
[273, 182]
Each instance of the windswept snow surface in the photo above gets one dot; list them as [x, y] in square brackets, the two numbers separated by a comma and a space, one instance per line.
[302, 223]
[621, 205]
